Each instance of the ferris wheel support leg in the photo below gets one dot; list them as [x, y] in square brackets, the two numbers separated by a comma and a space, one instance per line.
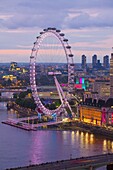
[59, 93]
[62, 95]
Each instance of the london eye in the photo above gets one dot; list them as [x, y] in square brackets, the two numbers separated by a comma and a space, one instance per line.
[50, 45]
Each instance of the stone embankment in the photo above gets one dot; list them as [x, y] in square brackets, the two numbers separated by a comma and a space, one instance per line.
[107, 132]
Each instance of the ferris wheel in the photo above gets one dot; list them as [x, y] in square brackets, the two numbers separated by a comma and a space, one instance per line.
[42, 47]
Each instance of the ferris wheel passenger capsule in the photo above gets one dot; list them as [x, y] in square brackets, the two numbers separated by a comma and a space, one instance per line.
[62, 34]
[65, 40]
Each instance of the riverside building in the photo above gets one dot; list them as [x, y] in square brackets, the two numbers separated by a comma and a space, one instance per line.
[99, 113]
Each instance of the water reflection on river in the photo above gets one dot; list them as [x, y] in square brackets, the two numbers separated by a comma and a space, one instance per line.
[20, 148]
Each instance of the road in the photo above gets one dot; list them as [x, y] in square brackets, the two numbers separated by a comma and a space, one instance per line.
[74, 164]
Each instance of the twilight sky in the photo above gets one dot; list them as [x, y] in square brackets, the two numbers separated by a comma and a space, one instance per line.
[88, 24]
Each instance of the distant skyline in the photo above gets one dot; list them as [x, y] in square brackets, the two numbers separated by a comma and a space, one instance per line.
[88, 24]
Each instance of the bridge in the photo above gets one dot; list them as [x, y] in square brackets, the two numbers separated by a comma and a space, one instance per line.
[11, 90]
[41, 89]
[84, 163]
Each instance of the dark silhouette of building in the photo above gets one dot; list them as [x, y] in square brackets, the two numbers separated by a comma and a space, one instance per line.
[94, 61]
[98, 65]
[83, 64]
[106, 61]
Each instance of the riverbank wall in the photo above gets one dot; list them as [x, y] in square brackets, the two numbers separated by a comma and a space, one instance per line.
[107, 132]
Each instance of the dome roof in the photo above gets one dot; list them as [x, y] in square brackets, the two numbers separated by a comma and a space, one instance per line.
[109, 102]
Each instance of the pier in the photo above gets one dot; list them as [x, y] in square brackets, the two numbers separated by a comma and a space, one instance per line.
[19, 123]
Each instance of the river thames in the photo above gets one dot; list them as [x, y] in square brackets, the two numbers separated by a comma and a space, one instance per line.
[20, 148]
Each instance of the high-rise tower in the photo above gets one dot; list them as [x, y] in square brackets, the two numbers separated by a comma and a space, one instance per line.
[94, 61]
[106, 61]
[111, 75]
[83, 64]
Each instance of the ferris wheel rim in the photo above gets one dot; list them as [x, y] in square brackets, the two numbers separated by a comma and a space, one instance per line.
[36, 47]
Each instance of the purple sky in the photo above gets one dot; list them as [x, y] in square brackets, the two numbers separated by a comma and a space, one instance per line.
[88, 24]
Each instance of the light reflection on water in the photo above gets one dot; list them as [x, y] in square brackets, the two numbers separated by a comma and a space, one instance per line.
[20, 148]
